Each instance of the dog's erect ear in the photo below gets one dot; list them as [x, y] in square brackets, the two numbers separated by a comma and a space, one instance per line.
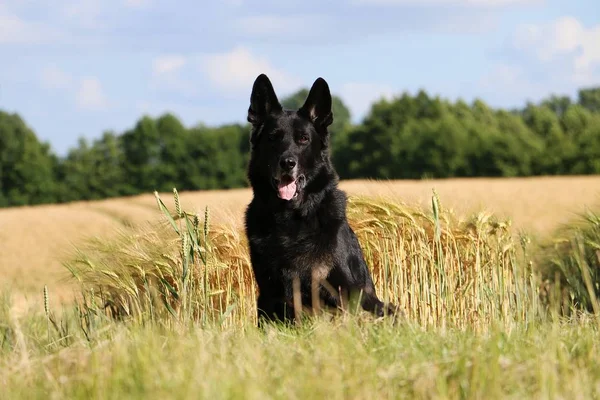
[263, 101]
[318, 104]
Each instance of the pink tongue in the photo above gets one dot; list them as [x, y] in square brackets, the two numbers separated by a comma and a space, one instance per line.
[287, 190]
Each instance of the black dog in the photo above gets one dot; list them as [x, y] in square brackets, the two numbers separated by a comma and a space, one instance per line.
[303, 252]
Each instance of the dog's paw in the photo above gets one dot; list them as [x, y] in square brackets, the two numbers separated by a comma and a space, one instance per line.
[394, 312]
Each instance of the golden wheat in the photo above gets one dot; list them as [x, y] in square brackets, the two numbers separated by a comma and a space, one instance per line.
[34, 240]
[439, 269]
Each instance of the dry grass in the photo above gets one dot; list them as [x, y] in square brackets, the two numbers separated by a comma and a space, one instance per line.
[33, 240]
[538, 205]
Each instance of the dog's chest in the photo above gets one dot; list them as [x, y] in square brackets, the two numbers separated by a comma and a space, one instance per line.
[298, 245]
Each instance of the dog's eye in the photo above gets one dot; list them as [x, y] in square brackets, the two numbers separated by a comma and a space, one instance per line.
[303, 139]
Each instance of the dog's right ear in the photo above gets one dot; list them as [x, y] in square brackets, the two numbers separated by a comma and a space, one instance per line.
[318, 104]
[263, 101]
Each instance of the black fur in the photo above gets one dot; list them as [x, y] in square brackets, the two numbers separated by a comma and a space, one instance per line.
[292, 239]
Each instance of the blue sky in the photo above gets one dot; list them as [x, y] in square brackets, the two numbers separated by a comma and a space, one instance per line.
[77, 68]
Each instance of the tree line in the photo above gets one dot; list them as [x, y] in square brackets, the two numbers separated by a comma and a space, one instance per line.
[414, 137]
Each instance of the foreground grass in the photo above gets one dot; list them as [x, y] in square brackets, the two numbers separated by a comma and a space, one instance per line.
[350, 358]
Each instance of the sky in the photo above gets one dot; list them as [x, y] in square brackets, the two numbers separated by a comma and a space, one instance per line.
[76, 68]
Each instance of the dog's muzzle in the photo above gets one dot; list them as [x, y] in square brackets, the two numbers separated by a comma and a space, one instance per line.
[288, 187]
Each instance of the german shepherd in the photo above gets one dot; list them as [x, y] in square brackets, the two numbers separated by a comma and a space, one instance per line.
[303, 252]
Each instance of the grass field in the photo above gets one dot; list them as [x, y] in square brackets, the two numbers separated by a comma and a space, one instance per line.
[474, 325]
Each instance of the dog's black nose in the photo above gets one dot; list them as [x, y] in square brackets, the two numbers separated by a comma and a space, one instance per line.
[287, 164]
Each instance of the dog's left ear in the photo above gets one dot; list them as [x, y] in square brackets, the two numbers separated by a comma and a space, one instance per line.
[263, 101]
[317, 107]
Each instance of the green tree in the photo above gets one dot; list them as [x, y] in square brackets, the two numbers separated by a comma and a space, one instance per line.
[588, 145]
[557, 147]
[590, 99]
[172, 153]
[109, 170]
[558, 104]
[95, 171]
[26, 165]
[74, 173]
[217, 157]
[408, 137]
[581, 128]
[142, 150]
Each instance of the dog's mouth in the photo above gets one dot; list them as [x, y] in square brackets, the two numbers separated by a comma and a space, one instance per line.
[287, 187]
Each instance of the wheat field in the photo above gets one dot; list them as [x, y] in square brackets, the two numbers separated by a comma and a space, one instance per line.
[34, 241]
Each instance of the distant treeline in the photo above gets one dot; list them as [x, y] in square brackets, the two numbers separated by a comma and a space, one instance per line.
[408, 137]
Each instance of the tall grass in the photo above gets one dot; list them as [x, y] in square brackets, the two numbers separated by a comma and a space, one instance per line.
[343, 359]
[440, 270]
[569, 265]
[171, 273]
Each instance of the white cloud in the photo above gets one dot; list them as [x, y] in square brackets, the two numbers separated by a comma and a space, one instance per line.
[172, 72]
[235, 71]
[16, 30]
[360, 96]
[464, 3]
[90, 95]
[168, 64]
[506, 82]
[87, 91]
[53, 77]
[564, 39]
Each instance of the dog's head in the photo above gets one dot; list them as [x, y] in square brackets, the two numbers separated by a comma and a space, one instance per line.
[289, 147]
